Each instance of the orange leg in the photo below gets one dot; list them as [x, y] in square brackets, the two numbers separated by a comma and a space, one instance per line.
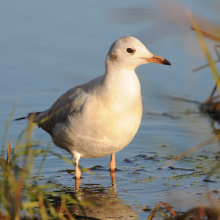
[77, 178]
[77, 170]
[77, 184]
[112, 162]
[113, 177]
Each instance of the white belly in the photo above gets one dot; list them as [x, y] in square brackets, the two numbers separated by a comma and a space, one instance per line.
[104, 132]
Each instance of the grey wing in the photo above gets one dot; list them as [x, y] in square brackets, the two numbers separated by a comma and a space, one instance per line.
[69, 103]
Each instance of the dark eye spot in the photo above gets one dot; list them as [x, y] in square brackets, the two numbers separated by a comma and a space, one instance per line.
[130, 50]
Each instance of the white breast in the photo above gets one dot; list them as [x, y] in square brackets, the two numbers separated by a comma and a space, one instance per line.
[109, 119]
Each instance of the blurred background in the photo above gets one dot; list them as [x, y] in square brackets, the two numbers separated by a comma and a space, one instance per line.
[47, 47]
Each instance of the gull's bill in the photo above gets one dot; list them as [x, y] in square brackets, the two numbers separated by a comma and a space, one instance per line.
[157, 59]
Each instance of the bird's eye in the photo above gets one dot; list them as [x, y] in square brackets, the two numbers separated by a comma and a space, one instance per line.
[130, 50]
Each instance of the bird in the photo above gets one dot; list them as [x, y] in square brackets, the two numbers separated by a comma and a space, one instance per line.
[102, 116]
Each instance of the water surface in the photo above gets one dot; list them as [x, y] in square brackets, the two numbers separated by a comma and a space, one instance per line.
[49, 47]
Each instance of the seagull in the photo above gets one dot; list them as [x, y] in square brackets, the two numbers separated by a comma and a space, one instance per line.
[101, 117]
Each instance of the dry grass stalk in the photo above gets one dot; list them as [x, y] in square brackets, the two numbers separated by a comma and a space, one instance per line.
[69, 215]
[158, 206]
[9, 153]
[208, 35]
[63, 210]
[205, 49]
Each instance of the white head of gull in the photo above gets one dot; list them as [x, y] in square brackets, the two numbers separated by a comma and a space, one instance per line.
[101, 117]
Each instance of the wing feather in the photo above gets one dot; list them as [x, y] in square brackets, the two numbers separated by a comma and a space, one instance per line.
[70, 103]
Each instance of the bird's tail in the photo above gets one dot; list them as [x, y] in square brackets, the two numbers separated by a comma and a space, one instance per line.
[17, 119]
[27, 117]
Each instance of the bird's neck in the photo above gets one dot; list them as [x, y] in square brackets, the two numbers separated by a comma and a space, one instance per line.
[121, 84]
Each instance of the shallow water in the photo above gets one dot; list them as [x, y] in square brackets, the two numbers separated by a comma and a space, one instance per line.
[49, 47]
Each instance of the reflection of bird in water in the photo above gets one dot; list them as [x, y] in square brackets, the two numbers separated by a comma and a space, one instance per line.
[109, 206]
[95, 202]
[112, 175]
[101, 117]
